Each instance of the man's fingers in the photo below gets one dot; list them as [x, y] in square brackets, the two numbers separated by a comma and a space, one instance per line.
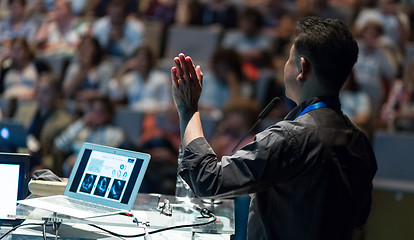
[182, 58]
[179, 69]
[199, 75]
[174, 76]
[190, 66]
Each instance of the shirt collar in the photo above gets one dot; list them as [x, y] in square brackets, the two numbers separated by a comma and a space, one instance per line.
[298, 109]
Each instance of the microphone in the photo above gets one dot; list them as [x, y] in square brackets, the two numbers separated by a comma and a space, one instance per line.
[262, 116]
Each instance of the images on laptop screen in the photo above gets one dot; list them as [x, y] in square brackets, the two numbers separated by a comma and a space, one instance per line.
[106, 176]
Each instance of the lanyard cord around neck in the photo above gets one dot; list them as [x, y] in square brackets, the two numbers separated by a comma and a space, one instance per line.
[316, 106]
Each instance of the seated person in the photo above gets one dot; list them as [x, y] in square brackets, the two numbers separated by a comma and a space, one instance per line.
[89, 74]
[45, 119]
[94, 127]
[144, 87]
[356, 104]
[20, 79]
[16, 25]
[116, 33]
[220, 12]
[226, 81]
[239, 116]
[60, 32]
[249, 42]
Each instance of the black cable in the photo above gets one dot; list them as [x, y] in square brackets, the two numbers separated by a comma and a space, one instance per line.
[205, 214]
[20, 225]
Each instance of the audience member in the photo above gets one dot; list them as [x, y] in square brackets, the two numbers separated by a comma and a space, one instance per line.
[239, 116]
[161, 174]
[188, 12]
[160, 10]
[88, 76]
[20, 80]
[373, 70]
[139, 83]
[100, 7]
[116, 33]
[44, 119]
[249, 42]
[94, 127]
[221, 12]
[325, 9]
[226, 82]
[398, 111]
[60, 32]
[356, 105]
[16, 25]
[394, 21]
[271, 10]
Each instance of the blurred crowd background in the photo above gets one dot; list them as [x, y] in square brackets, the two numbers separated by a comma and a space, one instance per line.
[99, 71]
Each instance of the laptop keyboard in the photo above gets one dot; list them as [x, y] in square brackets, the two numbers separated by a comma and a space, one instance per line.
[81, 205]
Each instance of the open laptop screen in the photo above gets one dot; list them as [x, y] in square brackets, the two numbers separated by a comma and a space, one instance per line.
[106, 177]
[14, 170]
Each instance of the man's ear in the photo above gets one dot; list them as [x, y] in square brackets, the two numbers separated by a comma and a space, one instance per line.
[305, 69]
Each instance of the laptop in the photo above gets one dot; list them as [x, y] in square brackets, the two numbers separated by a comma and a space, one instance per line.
[13, 134]
[14, 175]
[104, 181]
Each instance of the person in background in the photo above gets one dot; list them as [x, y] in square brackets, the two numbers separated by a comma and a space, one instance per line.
[271, 10]
[88, 76]
[100, 7]
[17, 25]
[373, 70]
[118, 35]
[220, 12]
[310, 175]
[239, 116]
[20, 80]
[249, 42]
[161, 174]
[356, 105]
[397, 112]
[159, 10]
[94, 127]
[394, 21]
[44, 120]
[225, 82]
[60, 32]
[138, 82]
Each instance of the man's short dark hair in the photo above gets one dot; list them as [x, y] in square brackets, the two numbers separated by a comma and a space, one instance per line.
[329, 47]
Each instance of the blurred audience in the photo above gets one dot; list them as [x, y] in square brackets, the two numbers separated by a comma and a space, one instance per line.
[373, 70]
[85, 42]
[159, 10]
[225, 82]
[21, 76]
[271, 10]
[220, 12]
[17, 25]
[249, 42]
[239, 116]
[140, 84]
[393, 19]
[89, 74]
[161, 173]
[398, 111]
[356, 104]
[94, 127]
[44, 119]
[60, 32]
[118, 34]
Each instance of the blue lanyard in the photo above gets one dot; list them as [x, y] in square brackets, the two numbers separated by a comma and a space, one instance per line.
[316, 106]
